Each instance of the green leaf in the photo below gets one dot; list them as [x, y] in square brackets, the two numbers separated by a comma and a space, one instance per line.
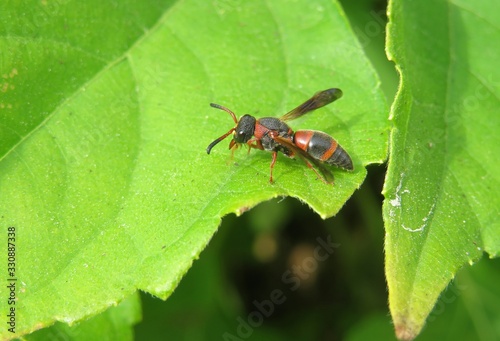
[104, 120]
[440, 209]
[467, 310]
[113, 324]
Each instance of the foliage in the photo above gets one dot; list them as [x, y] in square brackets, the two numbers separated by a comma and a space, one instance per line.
[104, 121]
[438, 211]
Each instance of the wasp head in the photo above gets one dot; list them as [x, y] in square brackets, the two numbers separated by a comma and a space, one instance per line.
[243, 131]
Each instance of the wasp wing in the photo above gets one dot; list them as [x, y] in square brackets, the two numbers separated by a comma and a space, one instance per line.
[327, 175]
[319, 100]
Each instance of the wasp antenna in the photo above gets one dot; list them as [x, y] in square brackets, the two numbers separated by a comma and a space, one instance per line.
[211, 145]
[213, 105]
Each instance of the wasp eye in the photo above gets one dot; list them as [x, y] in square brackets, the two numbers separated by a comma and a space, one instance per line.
[241, 136]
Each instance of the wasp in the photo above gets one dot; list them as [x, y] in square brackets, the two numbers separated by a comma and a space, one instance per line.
[273, 134]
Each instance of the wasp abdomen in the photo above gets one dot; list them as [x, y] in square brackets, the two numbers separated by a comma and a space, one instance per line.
[322, 147]
[341, 159]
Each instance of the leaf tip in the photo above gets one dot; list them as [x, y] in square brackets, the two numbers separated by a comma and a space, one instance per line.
[406, 331]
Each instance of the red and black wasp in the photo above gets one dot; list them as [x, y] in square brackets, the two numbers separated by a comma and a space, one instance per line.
[273, 134]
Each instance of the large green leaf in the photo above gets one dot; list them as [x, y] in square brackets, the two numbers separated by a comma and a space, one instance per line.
[105, 120]
[113, 324]
[441, 207]
[467, 310]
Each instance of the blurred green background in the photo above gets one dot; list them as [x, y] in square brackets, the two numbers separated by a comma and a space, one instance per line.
[343, 296]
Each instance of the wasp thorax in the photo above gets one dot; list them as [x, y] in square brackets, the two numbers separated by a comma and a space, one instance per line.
[245, 129]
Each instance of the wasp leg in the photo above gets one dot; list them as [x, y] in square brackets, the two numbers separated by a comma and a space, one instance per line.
[307, 158]
[254, 143]
[317, 174]
[275, 155]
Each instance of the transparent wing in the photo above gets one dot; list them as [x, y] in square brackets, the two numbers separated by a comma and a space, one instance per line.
[319, 100]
